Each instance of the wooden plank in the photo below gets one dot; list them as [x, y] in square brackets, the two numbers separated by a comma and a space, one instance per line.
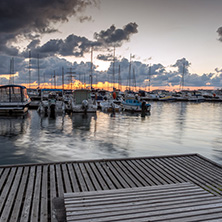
[194, 175]
[137, 176]
[112, 210]
[105, 176]
[93, 177]
[74, 180]
[36, 196]
[59, 180]
[28, 196]
[127, 191]
[86, 177]
[44, 195]
[79, 176]
[121, 175]
[19, 199]
[12, 195]
[200, 169]
[3, 178]
[1, 170]
[163, 175]
[181, 172]
[155, 213]
[53, 193]
[7, 188]
[67, 182]
[209, 167]
[112, 177]
[166, 169]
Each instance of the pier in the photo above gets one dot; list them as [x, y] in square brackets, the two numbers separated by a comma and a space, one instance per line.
[36, 192]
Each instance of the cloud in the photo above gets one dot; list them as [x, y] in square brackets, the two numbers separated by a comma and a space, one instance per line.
[71, 46]
[219, 31]
[108, 57]
[29, 18]
[113, 36]
[76, 46]
[182, 65]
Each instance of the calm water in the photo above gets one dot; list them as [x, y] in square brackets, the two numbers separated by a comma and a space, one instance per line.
[172, 128]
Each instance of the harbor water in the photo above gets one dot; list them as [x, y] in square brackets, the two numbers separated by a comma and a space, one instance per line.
[171, 128]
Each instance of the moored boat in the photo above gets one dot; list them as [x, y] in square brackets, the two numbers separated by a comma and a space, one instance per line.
[82, 102]
[134, 105]
[13, 99]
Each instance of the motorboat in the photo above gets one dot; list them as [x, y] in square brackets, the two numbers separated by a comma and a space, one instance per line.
[51, 101]
[82, 102]
[13, 99]
[110, 106]
[134, 105]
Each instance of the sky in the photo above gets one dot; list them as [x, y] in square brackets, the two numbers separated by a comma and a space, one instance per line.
[157, 40]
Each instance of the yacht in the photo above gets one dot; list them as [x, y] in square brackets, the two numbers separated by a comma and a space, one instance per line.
[13, 99]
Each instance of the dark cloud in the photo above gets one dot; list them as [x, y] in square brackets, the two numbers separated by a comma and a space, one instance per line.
[72, 46]
[219, 31]
[29, 18]
[108, 57]
[76, 45]
[182, 65]
[25, 16]
[113, 36]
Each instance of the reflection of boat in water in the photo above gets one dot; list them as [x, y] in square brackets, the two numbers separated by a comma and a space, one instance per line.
[12, 126]
[83, 121]
[82, 102]
[51, 101]
[13, 99]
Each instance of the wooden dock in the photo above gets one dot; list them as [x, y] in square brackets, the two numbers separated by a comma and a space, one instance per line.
[29, 192]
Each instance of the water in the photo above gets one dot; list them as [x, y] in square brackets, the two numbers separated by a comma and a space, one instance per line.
[172, 128]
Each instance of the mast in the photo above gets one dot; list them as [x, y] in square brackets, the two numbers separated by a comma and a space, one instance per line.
[38, 70]
[62, 78]
[29, 68]
[114, 66]
[71, 76]
[134, 78]
[91, 74]
[149, 77]
[54, 80]
[130, 72]
[182, 80]
[119, 80]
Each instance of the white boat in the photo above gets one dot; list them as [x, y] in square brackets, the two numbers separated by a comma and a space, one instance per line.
[13, 99]
[134, 105]
[110, 106]
[82, 102]
[51, 101]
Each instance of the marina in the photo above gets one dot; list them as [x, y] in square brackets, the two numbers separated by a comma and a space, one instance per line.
[35, 192]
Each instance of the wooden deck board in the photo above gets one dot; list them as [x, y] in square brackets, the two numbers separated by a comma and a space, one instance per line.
[33, 192]
[75, 204]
